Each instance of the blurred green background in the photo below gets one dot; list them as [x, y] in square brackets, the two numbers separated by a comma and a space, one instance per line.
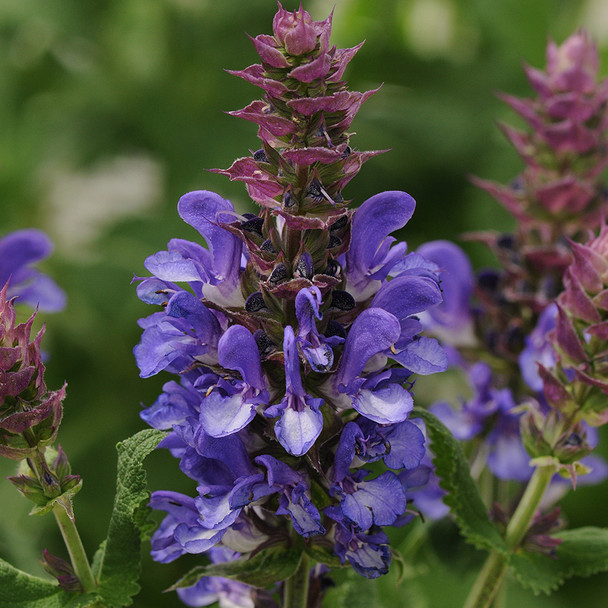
[111, 109]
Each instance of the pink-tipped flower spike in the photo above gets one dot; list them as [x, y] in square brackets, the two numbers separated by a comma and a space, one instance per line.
[293, 321]
[306, 158]
[29, 414]
[558, 194]
[559, 191]
[581, 331]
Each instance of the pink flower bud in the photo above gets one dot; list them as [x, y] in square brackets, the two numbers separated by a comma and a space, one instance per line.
[573, 65]
[295, 31]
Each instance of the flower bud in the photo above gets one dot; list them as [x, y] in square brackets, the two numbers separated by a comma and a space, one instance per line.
[61, 570]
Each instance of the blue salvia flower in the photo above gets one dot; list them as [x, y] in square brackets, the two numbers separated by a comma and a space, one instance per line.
[19, 250]
[295, 332]
[300, 421]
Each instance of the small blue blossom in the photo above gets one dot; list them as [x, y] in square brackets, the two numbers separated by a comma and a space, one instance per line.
[490, 414]
[211, 589]
[300, 420]
[19, 250]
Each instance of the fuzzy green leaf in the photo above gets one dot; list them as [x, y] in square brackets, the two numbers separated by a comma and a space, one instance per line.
[462, 496]
[21, 590]
[118, 559]
[583, 551]
[264, 569]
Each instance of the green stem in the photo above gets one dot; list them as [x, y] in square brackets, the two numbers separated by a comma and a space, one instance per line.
[413, 541]
[295, 590]
[528, 505]
[488, 582]
[79, 559]
[65, 520]
[490, 578]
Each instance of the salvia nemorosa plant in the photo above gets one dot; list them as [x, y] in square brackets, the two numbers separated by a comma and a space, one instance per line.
[294, 336]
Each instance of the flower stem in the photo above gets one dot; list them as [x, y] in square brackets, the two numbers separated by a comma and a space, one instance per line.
[490, 578]
[295, 590]
[528, 505]
[488, 582]
[78, 557]
[64, 516]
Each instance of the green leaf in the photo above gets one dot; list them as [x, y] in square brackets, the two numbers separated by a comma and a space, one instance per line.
[118, 559]
[352, 591]
[264, 569]
[462, 496]
[583, 551]
[97, 562]
[19, 589]
[325, 555]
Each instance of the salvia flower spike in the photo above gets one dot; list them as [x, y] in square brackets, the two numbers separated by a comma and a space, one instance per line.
[294, 332]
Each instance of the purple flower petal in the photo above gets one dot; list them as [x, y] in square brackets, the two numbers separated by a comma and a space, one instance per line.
[508, 458]
[153, 291]
[173, 406]
[216, 512]
[423, 356]
[298, 430]
[379, 501]
[204, 211]
[238, 350]
[407, 295]
[308, 302]
[456, 283]
[385, 405]
[196, 539]
[373, 331]
[22, 248]
[223, 415]
[171, 266]
[42, 292]
[185, 306]
[304, 515]
[346, 450]
[278, 473]
[156, 350]
[538, 349]
[18, 250]
[406, 446]
[375, 219]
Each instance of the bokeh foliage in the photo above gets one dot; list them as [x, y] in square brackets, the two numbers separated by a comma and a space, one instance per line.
[111, 109]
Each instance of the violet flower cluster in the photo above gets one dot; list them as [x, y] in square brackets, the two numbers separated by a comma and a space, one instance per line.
[538, 321]
[293, 334]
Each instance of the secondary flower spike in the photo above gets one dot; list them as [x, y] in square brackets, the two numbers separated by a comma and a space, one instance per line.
[29, 413]
[287, 326]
